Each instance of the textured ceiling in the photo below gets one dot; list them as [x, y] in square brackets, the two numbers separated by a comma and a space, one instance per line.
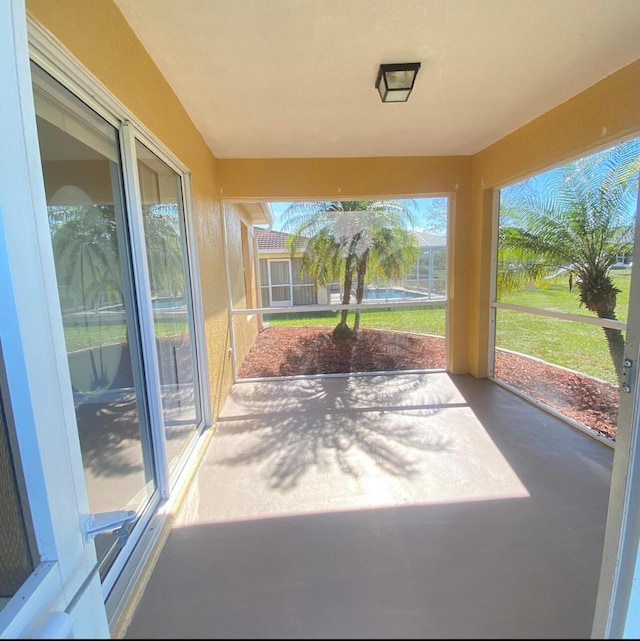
[295, 78]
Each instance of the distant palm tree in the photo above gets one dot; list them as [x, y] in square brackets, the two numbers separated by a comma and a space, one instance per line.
[86, 251]
[85, 247]
[576, 228]
[352, 240]
[88, 270]
[164, 250]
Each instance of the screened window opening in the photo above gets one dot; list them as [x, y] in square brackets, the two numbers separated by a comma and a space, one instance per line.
[373, 273]
[564, 267]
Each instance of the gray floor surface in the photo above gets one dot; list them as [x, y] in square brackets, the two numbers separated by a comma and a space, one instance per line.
[387, 506]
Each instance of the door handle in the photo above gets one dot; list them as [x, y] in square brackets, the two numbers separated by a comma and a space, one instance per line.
[109, 522]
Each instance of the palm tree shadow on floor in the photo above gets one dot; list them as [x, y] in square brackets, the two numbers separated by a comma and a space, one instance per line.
[351, 422]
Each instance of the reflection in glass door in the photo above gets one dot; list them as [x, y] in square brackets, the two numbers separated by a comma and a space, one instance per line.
[83, 184]
[165, 241]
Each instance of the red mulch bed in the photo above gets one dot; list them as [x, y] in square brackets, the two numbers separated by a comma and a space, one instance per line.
[294, 351]
[584, 399]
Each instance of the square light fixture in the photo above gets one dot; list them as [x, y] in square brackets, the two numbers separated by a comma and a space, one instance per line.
[395, 81]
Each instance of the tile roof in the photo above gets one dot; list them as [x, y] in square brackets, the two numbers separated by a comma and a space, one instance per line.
[272, 241]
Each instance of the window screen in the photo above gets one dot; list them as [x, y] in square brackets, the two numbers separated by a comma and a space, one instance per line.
[16, 549]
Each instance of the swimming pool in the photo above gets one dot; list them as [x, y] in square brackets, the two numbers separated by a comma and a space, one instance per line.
[391, 293]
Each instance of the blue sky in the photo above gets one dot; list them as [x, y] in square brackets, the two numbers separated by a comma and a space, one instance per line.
[548, 181]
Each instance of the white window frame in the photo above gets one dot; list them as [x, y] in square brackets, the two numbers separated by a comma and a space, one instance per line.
[280, 303]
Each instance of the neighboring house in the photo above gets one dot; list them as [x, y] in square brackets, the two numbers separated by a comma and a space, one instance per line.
[626, 259]
[282, 283]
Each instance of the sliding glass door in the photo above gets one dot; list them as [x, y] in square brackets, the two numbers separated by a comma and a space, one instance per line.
[118, 230]
[83, 184]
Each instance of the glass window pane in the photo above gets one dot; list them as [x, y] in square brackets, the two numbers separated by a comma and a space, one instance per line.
[264, 276]
[165, 238]
[304, 295]
[300, 276]
[280, 294]
[83, 184]
[265, 297]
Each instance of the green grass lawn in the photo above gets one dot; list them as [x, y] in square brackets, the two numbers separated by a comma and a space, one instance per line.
[558, 297]
[579, 347]
[573, 345]
[80, 337]
[420, 320]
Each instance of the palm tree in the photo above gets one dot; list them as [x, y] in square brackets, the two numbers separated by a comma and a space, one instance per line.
[164, 249]
[85, 250]
[352, 240]
[85, 245]
[88, 270]
[575, 229]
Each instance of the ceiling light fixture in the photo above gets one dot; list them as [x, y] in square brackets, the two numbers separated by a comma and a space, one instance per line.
[395, 81]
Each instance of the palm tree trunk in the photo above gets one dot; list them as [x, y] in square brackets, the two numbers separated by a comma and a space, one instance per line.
[341, 330]
[361, 271]
[599, 295]
[346, 297]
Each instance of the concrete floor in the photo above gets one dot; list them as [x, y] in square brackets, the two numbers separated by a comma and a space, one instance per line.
[386, 506]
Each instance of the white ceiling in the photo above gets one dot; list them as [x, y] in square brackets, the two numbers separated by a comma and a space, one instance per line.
[295, 78]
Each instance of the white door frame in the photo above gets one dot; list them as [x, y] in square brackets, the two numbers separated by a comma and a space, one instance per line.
[617, 613]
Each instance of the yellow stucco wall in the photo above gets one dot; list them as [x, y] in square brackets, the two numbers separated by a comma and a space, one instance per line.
[97, 34]
[601, 116]
[245, 328]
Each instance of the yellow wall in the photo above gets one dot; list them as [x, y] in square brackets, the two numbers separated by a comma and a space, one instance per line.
[599, 117]
[97, 34]
[245, 327]
[338, 178]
